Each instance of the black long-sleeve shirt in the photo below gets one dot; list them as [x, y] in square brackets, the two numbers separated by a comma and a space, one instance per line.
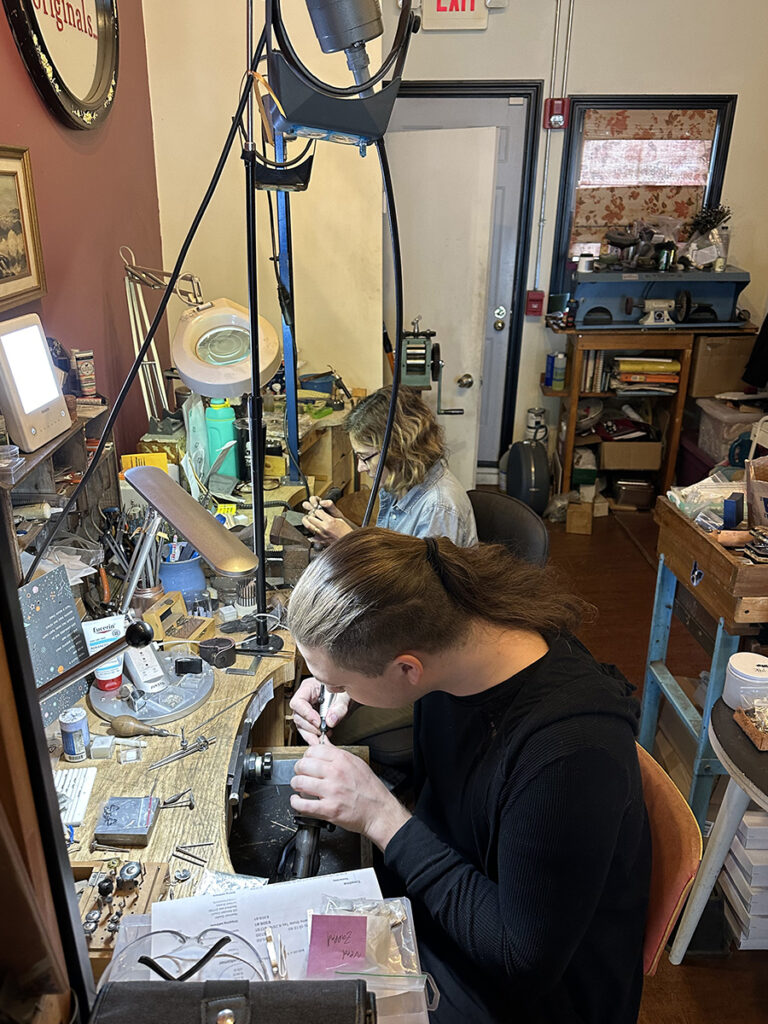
[528, 856]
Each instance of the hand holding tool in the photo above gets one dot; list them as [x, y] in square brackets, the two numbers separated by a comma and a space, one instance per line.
[326, 699]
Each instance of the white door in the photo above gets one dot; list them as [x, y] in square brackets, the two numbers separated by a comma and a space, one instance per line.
[444, 191]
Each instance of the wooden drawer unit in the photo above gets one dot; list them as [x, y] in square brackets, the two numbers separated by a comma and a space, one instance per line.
[326, 454]
[725, 584]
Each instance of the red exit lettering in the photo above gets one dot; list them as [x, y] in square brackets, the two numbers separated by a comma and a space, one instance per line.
[454, 6]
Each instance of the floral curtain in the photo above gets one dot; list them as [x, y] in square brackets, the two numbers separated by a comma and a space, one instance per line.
[640, 165]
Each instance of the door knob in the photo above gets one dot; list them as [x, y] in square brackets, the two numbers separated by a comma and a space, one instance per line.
[466, 380]
[498, 325]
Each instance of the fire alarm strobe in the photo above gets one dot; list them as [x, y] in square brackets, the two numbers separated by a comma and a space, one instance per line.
[556, 111]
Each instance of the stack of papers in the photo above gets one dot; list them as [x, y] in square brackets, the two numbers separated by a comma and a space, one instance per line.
[283, 908]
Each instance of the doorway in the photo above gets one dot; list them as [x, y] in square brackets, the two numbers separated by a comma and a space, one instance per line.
[463, 157]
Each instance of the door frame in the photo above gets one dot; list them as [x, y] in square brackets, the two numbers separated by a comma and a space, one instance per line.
[531, 91]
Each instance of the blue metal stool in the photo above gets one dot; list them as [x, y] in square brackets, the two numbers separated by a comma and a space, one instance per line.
[659, 680]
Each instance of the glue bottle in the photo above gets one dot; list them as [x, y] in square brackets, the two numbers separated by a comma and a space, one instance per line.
[220, 427]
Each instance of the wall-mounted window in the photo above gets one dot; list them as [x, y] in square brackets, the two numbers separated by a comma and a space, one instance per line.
[636, 158]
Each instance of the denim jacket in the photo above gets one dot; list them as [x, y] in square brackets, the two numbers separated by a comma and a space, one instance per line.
[437, 507]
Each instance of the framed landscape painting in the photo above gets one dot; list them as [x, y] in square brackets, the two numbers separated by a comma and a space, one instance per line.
[22, 277]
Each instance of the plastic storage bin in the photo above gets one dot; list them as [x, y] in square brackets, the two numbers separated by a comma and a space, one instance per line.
[720, 426]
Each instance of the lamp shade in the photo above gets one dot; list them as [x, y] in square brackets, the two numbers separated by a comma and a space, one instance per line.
[226, 553]
[211, 350]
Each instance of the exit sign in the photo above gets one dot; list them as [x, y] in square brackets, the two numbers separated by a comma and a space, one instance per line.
[454, 14]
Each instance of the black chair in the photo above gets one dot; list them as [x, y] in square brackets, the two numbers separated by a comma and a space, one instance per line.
[502, 519]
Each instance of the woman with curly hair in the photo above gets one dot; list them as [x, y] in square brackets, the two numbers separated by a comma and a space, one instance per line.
[419, 494]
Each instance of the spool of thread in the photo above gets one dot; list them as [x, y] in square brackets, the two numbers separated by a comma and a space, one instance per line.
[586, 263]
[75, 735]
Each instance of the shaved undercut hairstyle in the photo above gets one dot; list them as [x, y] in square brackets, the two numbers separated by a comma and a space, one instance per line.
[417, 440]
[375, 594]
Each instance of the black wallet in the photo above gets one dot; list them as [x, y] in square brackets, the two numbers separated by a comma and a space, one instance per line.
[235, 1002]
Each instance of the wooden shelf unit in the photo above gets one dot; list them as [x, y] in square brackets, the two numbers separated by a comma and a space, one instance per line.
[37, 476]
[679, 344]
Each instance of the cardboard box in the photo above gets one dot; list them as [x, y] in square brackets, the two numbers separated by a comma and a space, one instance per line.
[630, 455]
[578, 518]
[718, 363]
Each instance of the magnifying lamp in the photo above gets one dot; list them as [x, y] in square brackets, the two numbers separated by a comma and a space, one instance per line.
[212, 345]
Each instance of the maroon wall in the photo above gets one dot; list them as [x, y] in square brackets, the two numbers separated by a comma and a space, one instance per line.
[96, 190]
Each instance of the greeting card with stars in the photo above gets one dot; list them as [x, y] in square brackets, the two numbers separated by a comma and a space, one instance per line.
[54, 635]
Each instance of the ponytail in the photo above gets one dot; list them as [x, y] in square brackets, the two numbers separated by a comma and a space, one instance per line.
[375, 594]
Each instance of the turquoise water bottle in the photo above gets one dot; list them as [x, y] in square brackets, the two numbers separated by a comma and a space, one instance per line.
[220, 424]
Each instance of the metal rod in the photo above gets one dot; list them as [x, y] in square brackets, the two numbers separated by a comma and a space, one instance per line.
[547, 148]
[138, 634]
[82, 669]
[248, 59]
[567, 55]
[141, 554]
[285, 271]
[555, 36]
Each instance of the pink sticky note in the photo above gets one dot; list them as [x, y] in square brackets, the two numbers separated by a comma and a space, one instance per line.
[336, 941]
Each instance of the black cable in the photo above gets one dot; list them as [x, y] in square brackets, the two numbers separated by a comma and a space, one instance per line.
[284, 164]
[398, 284]
[404, 26]
[160, 310]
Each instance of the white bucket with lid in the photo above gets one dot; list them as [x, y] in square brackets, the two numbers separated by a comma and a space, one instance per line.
[745, 670]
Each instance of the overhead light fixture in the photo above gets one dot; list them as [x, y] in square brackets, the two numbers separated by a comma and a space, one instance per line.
[212, 345]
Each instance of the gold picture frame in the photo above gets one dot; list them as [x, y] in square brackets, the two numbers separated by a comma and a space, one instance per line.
[22, 276]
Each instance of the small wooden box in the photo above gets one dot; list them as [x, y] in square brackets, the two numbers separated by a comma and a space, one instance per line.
[579, 517]
[169, 620]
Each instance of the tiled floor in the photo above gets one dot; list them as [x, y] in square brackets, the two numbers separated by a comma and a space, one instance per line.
[613, 569]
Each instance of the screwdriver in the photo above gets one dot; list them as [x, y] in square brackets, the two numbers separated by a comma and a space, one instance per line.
[326, 699]
[127, 725]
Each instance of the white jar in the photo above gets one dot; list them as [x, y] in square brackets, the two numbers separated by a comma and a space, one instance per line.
[745, 671]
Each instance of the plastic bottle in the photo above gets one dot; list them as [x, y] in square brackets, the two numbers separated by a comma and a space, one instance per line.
[220, 427]
[558, 374]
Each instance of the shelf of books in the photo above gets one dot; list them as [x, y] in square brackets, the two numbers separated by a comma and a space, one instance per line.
[609, 377]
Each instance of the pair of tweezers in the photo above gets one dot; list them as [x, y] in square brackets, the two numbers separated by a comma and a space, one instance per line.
[277, 957]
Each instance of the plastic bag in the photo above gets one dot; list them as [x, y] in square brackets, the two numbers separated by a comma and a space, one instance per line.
[704, 496]
[390, 938]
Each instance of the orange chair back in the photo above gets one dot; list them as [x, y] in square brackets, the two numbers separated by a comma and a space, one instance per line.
[676, 854]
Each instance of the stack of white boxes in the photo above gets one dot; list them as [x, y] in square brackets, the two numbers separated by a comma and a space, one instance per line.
[744, 881]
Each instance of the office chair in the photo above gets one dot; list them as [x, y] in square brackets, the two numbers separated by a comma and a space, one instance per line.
[675, 856]
[502, 519]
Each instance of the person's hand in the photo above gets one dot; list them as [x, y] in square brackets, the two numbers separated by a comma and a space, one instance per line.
[339, 787]
[325, 526]
[304, 704]
[313, 502]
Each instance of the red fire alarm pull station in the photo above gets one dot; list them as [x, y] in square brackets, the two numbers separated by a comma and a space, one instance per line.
[534, 303]
[556, 111]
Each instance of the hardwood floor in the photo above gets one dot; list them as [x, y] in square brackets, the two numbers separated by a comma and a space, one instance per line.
[614, 569]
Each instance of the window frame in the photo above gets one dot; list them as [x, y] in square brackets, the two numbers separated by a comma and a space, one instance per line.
[725, 105]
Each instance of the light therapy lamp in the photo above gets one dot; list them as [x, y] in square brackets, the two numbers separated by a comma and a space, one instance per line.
[211, 350]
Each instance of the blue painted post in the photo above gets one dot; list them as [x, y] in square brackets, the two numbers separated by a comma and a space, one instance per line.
[705, 765]
[285, 271]
[657, 651]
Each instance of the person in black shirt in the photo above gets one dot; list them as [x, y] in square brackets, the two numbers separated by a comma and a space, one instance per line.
[527, 855]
